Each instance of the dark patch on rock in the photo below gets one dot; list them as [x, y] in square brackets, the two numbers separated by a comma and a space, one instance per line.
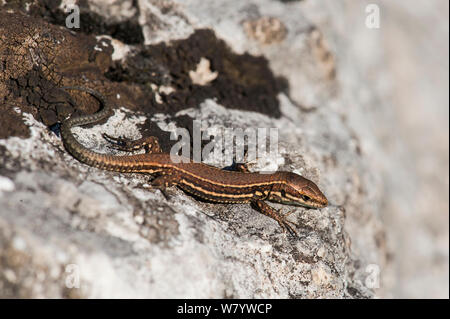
[36, 58]
[18, 4]
[244, 81]
[51, 104]
[128, 31]
[35, 89]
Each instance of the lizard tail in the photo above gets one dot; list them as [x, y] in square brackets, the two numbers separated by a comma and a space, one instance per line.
[80, 152]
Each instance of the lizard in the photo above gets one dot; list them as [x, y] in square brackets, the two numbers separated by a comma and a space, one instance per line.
[206, 182]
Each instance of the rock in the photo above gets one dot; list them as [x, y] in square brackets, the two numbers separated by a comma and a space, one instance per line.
[68, 230]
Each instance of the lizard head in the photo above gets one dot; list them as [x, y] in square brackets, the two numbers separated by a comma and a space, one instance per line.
[299, 191]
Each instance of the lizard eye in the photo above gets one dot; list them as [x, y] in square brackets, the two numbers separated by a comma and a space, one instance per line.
[306, 198]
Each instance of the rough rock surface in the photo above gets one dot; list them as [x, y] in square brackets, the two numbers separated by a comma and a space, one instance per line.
[312, 69]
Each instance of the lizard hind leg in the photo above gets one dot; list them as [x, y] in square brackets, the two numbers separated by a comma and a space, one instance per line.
[163, 182]
[150, 144]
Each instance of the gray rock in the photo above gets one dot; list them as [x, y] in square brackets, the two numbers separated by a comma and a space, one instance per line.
[70, 230]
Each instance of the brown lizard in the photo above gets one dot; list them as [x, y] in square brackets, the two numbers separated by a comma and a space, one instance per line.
[207, 182]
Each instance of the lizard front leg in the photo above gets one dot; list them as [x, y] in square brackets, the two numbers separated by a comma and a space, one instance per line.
[271, 212]
[264, 208]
